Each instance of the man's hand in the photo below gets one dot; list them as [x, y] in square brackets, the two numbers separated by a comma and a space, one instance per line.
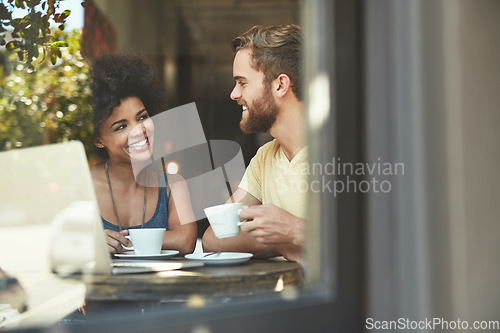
[115, 240]
[272, 225]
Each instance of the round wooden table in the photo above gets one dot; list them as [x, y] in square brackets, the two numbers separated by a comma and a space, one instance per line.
[208, 282]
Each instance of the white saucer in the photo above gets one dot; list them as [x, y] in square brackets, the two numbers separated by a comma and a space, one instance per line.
[163, 255]
[223, 258]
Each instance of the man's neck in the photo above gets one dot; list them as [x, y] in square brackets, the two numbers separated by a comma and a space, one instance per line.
[289, 129]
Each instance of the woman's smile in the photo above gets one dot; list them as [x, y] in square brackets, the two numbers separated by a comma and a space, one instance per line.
[138, 145]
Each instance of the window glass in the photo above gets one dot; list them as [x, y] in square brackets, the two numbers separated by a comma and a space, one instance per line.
[189, 45]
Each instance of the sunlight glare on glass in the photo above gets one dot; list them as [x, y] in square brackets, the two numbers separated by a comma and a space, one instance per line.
[279, 284]
[319, 100]
[172, 168]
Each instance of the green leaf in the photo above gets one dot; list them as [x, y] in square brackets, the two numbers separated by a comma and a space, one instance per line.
[4, 13]
[65, 14]
[15, 22]
[34, 51]
[60, 44]
[12, 45]
[43, 55]
[33, 3]
[30, 55]
[56, 51]
[20, 4]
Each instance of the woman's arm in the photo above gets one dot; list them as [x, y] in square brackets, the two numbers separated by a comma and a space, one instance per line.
[182, 228]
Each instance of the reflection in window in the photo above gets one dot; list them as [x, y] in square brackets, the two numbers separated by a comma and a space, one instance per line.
[189, 42]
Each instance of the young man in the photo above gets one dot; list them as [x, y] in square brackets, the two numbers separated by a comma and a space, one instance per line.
[268, 74]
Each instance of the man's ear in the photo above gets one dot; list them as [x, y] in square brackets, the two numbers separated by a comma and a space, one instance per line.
[282, 85]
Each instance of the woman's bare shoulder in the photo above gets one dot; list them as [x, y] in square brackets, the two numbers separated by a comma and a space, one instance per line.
[174, 177]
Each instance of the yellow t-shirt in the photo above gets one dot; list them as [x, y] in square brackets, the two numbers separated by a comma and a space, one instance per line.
[272, 179]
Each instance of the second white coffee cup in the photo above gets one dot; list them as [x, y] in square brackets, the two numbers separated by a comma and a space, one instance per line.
[146, 241]
[224, 219]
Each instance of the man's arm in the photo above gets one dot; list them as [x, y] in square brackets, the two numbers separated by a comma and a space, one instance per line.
[242, 242]
[291, 252]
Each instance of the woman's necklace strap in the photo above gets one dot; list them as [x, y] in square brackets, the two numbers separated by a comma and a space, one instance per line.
[106, 167]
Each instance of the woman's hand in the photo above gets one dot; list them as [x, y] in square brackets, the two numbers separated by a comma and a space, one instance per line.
[83, 308]
[115, 240]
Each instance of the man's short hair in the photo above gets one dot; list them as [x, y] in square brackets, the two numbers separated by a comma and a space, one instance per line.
[275, 50]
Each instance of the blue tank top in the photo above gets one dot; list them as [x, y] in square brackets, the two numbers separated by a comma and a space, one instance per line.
[159, 219]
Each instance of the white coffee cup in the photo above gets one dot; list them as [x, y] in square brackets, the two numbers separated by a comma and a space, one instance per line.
[224, 219]
[146, 241]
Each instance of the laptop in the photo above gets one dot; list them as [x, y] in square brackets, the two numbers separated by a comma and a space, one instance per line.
[49, 217]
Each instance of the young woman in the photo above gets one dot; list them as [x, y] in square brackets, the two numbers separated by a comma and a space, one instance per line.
[127, 93]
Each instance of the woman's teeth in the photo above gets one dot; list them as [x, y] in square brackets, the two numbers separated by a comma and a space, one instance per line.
[138, 144]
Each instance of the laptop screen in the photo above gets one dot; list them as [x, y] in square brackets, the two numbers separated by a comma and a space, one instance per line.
[49, 219]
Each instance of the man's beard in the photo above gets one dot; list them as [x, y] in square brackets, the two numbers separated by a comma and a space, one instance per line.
[261, 115]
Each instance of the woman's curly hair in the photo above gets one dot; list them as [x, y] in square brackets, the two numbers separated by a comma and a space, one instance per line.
[116, 77]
